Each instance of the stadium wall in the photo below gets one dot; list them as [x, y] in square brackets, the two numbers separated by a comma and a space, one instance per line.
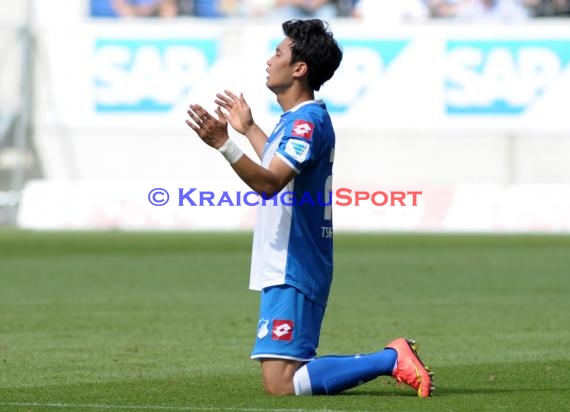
[471, 116]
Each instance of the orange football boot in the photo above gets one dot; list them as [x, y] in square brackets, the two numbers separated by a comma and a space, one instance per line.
[409, 369]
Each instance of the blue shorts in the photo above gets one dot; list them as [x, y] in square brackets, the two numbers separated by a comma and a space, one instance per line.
[289, 325]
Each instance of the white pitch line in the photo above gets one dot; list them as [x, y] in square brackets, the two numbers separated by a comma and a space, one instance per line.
[151, 407]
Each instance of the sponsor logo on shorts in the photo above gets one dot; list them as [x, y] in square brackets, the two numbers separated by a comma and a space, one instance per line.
[282, 330]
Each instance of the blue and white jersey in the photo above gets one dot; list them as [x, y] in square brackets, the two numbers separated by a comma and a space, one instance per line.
[293, 237]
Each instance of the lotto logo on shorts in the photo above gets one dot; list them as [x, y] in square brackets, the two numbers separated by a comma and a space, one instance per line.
[282, 330]
[303, 128]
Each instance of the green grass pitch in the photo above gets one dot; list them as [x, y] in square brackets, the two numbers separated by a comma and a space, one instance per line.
[164, 321]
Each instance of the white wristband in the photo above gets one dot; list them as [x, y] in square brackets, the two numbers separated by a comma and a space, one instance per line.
[231, 151]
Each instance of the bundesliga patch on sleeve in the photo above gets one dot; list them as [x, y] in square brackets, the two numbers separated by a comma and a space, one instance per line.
[303, 128]
[297, 149]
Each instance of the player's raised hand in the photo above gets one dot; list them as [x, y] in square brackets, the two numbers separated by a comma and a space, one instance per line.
[237, 111]
[212, 131]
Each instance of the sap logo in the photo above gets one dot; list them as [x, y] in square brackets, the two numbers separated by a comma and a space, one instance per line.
[134, 75]
[500, 77]
[364, 62]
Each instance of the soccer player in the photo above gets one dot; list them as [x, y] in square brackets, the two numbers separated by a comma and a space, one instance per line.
[292, 257]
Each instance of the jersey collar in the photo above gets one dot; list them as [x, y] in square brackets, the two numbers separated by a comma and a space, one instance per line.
[294, 109]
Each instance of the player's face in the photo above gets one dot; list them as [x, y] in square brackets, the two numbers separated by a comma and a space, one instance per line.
[279, 67]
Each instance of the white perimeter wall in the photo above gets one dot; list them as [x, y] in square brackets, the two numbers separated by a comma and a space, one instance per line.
[475, 117]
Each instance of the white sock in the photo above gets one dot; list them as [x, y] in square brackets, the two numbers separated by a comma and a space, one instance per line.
[302, 382]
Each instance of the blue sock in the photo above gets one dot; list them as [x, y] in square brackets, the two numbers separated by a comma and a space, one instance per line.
[333, 374]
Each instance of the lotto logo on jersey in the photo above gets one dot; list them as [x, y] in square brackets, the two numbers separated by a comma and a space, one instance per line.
[303, 128]
[282, 330]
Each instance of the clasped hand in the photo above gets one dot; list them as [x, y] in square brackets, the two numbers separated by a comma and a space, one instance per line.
[214, 131]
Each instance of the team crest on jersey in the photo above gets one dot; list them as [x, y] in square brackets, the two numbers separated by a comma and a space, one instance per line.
[297, 149]
[303, 128]
[282, 330]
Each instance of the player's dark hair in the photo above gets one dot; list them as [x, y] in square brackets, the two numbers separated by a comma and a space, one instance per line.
[313, 43]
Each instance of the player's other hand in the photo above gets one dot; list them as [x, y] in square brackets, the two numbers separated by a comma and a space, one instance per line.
[212, 131]
[236, 111]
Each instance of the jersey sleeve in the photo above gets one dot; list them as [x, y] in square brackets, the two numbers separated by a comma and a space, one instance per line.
[297, 144]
